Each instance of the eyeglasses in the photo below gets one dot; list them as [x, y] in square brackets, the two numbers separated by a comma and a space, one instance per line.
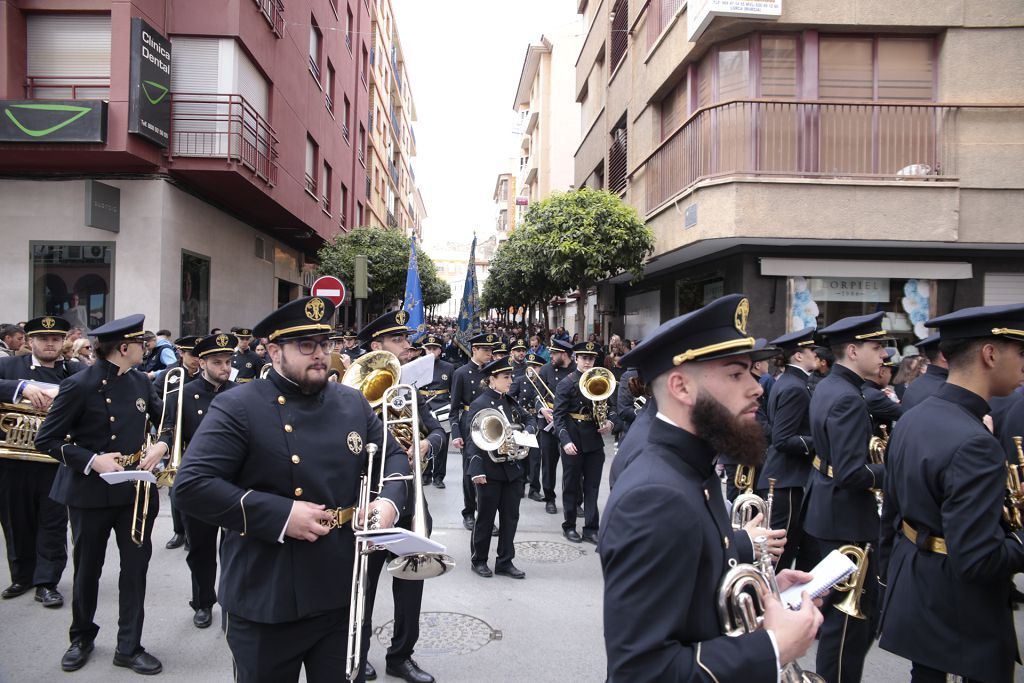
[86, 348]
[308, 346]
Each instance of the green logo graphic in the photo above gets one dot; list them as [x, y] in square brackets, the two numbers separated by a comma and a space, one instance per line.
[79, 112]
[161, 89]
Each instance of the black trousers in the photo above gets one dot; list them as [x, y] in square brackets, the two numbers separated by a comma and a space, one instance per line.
[437, 467]
[843, 634]
[549, 453]
[275, 653]
[919, 673]
[202, 561]
[35, 527]
[583, 469]
[533, 463]
[90, 531]
[786, 506]
[468, 491]
[177, 523]
[496, 498]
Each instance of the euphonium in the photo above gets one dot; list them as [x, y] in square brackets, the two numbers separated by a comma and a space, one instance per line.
[491, 432]
[741, 610]
[745, 477]
[1012, 514]
[597, 385]
[853, 585]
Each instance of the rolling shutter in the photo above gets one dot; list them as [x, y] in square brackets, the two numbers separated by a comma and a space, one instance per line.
[66, 50]
[1003, 288]
[199, 125]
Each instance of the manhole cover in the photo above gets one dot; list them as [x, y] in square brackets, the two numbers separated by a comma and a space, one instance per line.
[548, 552]
[445, 633]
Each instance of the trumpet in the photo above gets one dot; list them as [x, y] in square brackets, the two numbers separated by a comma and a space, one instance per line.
[1012, 514]
[399, 413]
[741, 610]
[491, 431]
[597, 385]
[745, 477]
[853, 585]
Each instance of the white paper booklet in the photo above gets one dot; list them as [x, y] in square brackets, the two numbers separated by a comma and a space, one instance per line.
[402, 541]
[419, 372]
[525, 439]
[128, 475]
[830, 571]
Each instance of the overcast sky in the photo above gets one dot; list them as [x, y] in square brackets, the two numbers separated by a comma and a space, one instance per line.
[463, 58]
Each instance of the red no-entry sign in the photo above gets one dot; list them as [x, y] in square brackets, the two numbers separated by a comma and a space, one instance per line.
[330, 288]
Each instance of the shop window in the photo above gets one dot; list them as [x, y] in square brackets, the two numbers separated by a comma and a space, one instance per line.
[73, 280]
[693, 293]
[195, 294]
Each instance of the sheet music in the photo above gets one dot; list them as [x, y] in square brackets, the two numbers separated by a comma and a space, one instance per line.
[402, 541]
[525, 439]
[419, 372]
[129, 476]
[834, 568]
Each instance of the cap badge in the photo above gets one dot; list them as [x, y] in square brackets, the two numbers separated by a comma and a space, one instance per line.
[140, 403]
[590, 346]
[222, 340]
[401, 317]
[315, 309]
[48, 323]
[490, 338]
[742, 311]
[444, 376]
[355, 443]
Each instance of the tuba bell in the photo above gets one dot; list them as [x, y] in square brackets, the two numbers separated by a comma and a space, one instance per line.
[491, 432]
[372, 375]
[597, 385]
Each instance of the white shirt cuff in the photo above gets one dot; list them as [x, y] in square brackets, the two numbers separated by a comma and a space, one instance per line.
[778, 664]
[280, 538]
[393, 507]
[88, 465]
[17, 391]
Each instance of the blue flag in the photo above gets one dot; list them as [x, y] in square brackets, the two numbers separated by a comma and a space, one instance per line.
[414, 295]
[469, 310]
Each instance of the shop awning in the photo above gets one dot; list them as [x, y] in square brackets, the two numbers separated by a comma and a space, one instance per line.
[929, 270]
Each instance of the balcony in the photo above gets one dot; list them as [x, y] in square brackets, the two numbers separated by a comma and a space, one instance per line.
[812, 140]
[67, 88]
[273, 12]
[226, 127]
[393, 170]
[392, 221]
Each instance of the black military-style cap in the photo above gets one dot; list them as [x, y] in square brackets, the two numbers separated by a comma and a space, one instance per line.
[241, 332]
[534, 359]
[1005, 322]
[718, 330]
[587, 348]
[561, 346]
[432, 340]
[497, 366]
[47, 324]
[890, 357]
[392, 322]
[305, 317]
[337, 335]
[128, 328]
[215, 343]
[518, 344]
[187, 343]
[794, 341]
[483, 339]
[499, 348]
[856, 328]
[932, 340]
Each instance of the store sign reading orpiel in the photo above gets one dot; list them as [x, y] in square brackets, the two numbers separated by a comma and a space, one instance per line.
[149, 90]
[53, 121]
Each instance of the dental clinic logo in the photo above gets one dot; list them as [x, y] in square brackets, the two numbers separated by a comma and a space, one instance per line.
[158, 88]
[71, 113]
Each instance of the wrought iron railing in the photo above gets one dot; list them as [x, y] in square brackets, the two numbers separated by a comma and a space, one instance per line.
[67, 88]
[273, 12]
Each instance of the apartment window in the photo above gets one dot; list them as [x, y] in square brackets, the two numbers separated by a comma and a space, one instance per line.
[329, 90]
[734, 70]
[315, 47]
[195, 294]
[343, 205]
[362, 145]
[73, 280]
[778, 66]
[875, 68]
[346, 112]
[617, 158]
[325, 187]
[68, 56]
[674, 109]
[619, 40]
[662, 12]
[359, 213]
[312, 154]
[503, 192]
[906, 69]
[349, 23]
[366, 59]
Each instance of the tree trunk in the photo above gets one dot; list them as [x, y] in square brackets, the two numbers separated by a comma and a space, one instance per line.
[581, 312]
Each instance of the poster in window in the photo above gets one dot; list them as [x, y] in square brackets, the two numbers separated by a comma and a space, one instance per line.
[195, 294]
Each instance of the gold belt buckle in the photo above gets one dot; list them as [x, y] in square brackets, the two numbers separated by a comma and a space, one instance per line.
[339, 517]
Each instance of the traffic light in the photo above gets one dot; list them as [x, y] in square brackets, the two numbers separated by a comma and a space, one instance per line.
[361, 267]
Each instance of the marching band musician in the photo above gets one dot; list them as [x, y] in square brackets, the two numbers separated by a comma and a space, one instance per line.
[438, 394]
[390, 333]
[884, 410]
[552, 374]
[582, 443]
[667, 511]
[946, 559]
[466, 386]
[276, 463]
[841, 506]
[518, 360]
[35, 527]
[213, 354]
[497, 484]
[246, 362]
[96, 423]
[525, 395]
[934, 376]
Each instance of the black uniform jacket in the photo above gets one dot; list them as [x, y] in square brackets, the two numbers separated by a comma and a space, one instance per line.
[523, 393]
[1010, 423]
[842, 507]
[248, 364]
[553, 376]
[263, 446]
[479, 461]
[97, 411]
[633, 444]
[883, 410]
[466, 386]
[624, 401]
[664, 551]
[924, 386]
[947, 478]
[569, 429]
[14, 369]
[439, 392]
[199, 394]
[790, 445]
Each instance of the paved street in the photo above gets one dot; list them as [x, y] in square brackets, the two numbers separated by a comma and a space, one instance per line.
[545, 628]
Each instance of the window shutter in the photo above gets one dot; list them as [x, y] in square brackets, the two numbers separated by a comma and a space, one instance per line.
[1003, 288]
[199, 121]
[66, 49]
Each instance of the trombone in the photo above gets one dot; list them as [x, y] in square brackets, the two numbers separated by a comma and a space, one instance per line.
[598, 384]
[399, 413]
[543, 391]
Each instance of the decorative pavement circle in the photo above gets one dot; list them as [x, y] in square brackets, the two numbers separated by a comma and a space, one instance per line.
[445, 633]
[548, 552]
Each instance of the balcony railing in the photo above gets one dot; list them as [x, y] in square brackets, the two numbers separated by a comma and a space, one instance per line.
[762, 138]
[393, 170]
[273, 12]
[223, 126]
[367, 186]
[67, 88]
[392, 221]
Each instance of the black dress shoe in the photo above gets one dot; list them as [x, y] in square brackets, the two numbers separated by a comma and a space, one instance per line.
[468, 522]
[536, 495]
[427, 480]
[494, 530]
[203, 617]
[49, 596]
[572, 535]
[589, 537]
[550, 508]
[14, 590]
[438, 484]
[141, 663]
[409, 671]
[481, 569]
[511, 571]
[76, 656]
[177, 540]
[369, 673]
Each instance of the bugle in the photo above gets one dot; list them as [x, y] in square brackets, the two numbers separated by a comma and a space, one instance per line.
[745, 477]
[746, 507]
[853, 585]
